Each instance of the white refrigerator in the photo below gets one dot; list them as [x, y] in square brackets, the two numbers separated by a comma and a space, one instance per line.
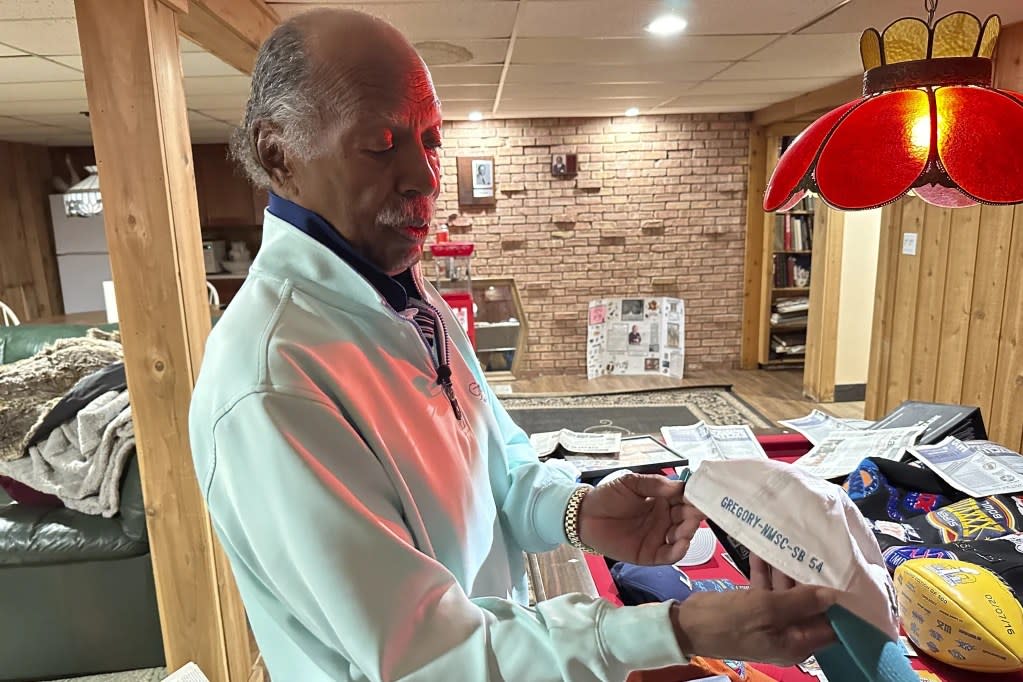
[82, 258]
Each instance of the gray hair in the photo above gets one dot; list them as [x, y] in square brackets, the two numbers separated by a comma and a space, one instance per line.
[280, 96]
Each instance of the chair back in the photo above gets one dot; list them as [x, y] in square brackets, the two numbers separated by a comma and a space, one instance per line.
[214, 294]
[7, 316]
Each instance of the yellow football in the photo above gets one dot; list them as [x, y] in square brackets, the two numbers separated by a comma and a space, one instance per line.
[961, 614]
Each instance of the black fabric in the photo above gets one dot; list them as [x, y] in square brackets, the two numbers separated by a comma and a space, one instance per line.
[969, 519]
[895, 491]
[90, 387]
[1002, 556]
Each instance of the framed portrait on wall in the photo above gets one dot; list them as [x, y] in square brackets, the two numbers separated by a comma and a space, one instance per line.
[563, 165]
[476, 181]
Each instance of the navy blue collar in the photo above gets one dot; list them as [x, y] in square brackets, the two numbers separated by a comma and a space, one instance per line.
[394, 289]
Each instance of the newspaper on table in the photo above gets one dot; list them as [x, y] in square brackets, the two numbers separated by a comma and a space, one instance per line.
[574, 442]
[967, 467]
[701, 442]
[841, 452]
[817, 426]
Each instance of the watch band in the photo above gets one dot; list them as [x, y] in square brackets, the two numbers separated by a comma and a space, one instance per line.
[575, 501]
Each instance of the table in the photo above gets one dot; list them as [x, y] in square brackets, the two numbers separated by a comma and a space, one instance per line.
[562, 576]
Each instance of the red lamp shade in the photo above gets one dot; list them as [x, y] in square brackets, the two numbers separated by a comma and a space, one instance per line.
[931, 126]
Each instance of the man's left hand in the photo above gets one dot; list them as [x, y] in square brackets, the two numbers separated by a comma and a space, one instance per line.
[642, 519]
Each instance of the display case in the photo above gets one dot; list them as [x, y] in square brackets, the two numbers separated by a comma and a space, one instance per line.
[500, 326]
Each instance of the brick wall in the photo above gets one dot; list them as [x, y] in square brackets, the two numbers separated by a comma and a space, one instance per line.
[665, 216]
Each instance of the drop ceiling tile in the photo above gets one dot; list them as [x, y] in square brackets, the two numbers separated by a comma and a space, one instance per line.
[782, 86]
[186, 45]
[466, 74]
[435, 20]
[576, 104]
[73, 61]
[197, 64]
[43, 37]
[860, 15]
[457, 52]
[70, 121]
[636, 50]
[6, 51]
[612, 18]
[34, 70]
[29, 108]
[461, 108]
[231, 115]
[449, 93]
[233, 100]
[36, 134]
[735, 102]
[10, 124]
[671, 72]
[586, 90]
[36, 9]
[217, 85]
[801, 56]
[24, 92]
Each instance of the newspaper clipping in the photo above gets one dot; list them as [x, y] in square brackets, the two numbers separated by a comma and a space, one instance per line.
[701, 442]
[842, 451]
[967, 467]
[608, 444]
[817, 426]
[635, 335]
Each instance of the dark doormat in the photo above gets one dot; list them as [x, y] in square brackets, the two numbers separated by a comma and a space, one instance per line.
[640, 412]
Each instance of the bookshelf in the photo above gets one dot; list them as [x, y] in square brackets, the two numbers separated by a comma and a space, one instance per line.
[788, 260]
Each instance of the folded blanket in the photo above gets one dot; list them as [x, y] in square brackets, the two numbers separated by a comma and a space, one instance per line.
[29, 388]
[82, 461]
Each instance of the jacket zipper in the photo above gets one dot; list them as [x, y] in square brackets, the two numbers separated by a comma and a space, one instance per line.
[441, 364]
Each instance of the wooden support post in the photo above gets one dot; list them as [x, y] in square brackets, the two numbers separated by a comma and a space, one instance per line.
[143, 149]
[753, 277]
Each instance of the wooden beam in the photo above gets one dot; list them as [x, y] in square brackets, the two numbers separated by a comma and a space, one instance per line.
[143, 150]
[232, 30]
[817, 101]
[753, 269]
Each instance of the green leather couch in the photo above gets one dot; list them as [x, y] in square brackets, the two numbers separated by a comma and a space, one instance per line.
[77, 590]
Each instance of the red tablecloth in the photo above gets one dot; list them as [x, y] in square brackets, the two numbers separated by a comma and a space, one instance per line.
[785, 447]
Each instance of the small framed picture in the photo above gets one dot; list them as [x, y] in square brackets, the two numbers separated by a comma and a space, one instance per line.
[476, 182]
[563, 165]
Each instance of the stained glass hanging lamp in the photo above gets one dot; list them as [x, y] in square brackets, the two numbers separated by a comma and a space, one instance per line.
[929, 124]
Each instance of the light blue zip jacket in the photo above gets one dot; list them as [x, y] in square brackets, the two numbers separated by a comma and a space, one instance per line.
[372, 534]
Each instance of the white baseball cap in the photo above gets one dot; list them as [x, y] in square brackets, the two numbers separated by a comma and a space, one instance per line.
[812, 532]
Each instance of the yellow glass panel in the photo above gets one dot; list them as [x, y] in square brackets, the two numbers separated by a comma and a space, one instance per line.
[956, 35]
[987, 41]
[905, 41]
[870, 49]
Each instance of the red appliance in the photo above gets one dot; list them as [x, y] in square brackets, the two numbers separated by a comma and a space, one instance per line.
[452, 263]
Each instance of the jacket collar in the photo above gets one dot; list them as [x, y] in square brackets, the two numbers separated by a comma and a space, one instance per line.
[395, 290]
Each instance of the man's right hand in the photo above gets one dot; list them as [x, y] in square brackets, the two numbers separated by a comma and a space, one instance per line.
[780, 626]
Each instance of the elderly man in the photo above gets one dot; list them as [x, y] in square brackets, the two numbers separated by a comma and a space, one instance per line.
[373, 496]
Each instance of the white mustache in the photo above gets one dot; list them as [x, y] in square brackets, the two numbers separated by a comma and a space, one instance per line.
[415, 212]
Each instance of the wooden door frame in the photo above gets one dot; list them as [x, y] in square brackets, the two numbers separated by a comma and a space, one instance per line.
[825, 292]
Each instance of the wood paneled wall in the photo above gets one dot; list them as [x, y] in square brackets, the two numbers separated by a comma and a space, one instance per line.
[28, 263]
[948, 321]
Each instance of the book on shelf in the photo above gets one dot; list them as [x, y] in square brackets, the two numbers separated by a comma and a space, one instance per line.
[789, 318]
[793, 232]
[792, 305]
[791, 271]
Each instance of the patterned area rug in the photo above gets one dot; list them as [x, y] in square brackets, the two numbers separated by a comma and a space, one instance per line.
[148, 675]
[634, 412]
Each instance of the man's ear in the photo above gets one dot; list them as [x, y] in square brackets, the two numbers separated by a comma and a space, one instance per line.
[272, 154]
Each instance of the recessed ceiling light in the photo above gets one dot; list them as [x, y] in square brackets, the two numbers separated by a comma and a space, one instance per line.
[632, 112]
[667, 25]
[475, 116]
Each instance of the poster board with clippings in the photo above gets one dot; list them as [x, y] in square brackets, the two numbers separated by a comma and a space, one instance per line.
[636, 335]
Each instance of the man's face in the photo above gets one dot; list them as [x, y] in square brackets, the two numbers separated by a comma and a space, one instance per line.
[378, 176]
